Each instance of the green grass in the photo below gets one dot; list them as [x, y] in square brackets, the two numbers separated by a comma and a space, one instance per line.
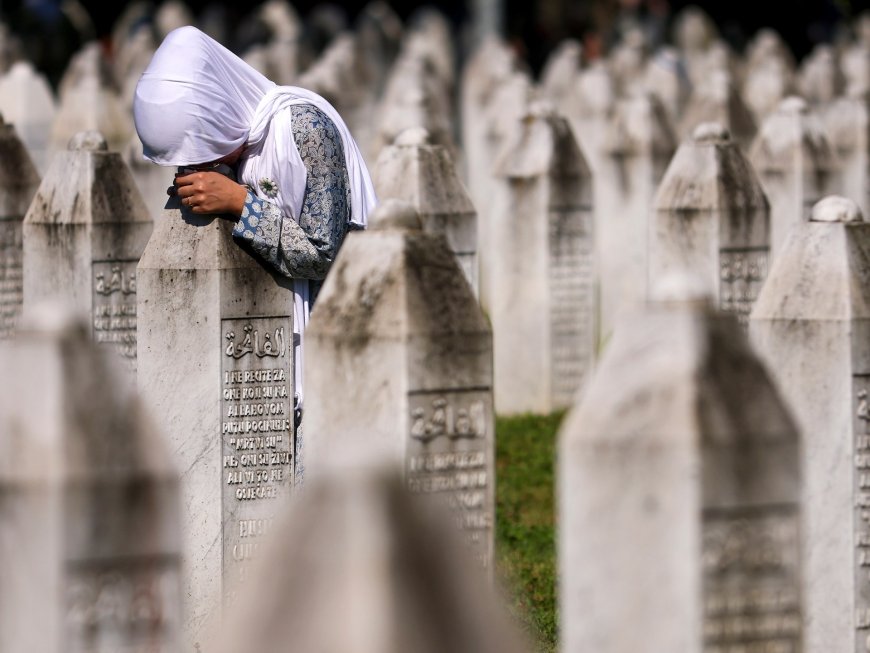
[525, 531]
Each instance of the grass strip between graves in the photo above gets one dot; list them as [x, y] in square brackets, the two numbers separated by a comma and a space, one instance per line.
[525, 531]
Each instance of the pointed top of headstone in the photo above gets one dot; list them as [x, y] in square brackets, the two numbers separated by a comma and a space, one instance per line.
[92, 141]
[836, 209]
[820, 79]
[560, 72]
[397, 214]
[694, 30]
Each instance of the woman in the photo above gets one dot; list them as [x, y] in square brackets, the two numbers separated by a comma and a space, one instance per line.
[302, 182]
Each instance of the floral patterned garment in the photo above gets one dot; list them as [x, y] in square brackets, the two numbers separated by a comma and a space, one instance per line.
[304, 250]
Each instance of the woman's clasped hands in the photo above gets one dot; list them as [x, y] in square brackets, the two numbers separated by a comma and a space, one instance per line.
[210, 193]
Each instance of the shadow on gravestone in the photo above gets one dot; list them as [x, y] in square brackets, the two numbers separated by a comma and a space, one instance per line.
[362, 565]
[216, 365]
[399, 357]
[679, 493]
[90, 546]
[18, 183]
[83, 235]
[712, 222]
[811, 325]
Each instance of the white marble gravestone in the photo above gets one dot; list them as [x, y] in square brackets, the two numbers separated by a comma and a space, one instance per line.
[423, 174]
[215, 348]
[679, 494]
[18, 183]
[811, 325]
[638, 143]
[541, 270]
[27, 102]
[83, 235]
[820, 79]
[667, 78]
[796, 166]
[716, 99]
[90, 546]
[361, 565]
[399, 359]
[847, 123]
[712, 222]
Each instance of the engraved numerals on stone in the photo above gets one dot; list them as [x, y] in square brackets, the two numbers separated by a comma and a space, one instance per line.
[741, 275]
[451, 435]
[114, 306]
[11, 278]
[257, 434]
[750, 574]
[861, 489]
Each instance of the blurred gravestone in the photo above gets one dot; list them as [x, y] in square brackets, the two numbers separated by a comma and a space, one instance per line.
[88, 500]
[712, 222]
[397, 318]
[27, 102]
[811, 324]
[83, 236]
[716, 99]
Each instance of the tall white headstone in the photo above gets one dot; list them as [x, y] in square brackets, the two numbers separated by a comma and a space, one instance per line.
[27, 102]
[88, 501]
[541, 269]
[679, 494]
[716, 99]
[811, 325]
[83, 235]
[398, 339]
[796, 166]
[847, 123]
[215, 356]
[712, 222]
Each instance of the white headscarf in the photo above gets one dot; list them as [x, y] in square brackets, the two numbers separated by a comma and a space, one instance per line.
[197, 102]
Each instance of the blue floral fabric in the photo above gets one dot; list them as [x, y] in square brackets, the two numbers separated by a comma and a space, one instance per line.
[307, 249]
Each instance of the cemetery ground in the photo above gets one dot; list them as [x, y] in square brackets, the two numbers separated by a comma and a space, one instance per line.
[525, 526]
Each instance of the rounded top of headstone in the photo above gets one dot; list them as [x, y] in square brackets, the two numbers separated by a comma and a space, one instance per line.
[413, 137]
[92, 141]
[793, 104]
[836, 209]
[395, 214]
[711, 132]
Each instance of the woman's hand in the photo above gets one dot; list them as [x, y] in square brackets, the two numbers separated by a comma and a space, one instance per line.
[211, 192]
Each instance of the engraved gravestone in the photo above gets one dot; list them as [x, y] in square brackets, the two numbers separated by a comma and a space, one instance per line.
[26, 101]
[18, 183]
[216, 364]
[421, 173]
[712, 222]
[399, 358]
[811, 325]
[83, 235]
[795, 164]
[542, 292]
[90, 550]
[362, 565]
[679, 494]
[638, 145]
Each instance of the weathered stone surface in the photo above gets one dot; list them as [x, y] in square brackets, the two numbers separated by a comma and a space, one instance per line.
[398, 336]
[88, 500]
[712, 221]
[795, 164]
[415, 170]
[18, 183]
[360, 565]
[638, 144]
[215, 348]
[26, 101]
[679, 479]
[542, 286]
[83, 235]
[811, 324]
[716, 99]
